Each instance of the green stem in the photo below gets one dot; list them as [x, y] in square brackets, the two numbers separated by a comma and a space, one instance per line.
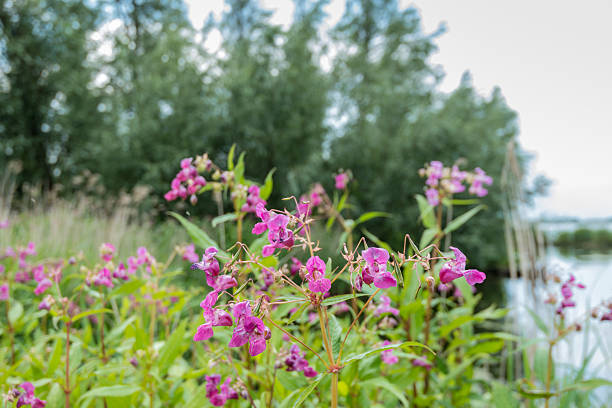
[549, 371]
[67, 380]
[334, 390]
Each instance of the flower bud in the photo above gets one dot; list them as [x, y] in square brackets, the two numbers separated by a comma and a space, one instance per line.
[430, 281]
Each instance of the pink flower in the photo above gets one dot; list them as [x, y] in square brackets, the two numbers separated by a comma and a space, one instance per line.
[213, 317]
[375, 271]
[4, 224]
[39, 272]
[4, 292]
[218, 398]
[455, 268]
[341, 181]
[249, 329]
[296, 362]
[295, 266]
[316, 275]
[253, 200]
[107, 251]
[387, 356]
[421, 362]
[28, 398]
[211, 268]
[567, 293]
[433, 198]
[479, 179]
[46, 303]
[385, 307]
[132, 265]
[42, 286]
[268, 276]
[435, 171]
[121, 272]
[186, 182]
[189, 254]
[103, 278]
[279, 236]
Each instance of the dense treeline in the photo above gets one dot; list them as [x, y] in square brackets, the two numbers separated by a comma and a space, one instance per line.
[126, 88]
[584, 238]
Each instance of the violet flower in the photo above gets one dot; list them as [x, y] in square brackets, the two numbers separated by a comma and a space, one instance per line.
[213, 317]
[107, 251]
[189, 254]
[341, 181]
[249, 329]
[296, 362]
[479, 179]
[455, 268]
[387, 356]
[421, 362]
[28, 398]
[253, 200]
[218, 397]
[211, 268]
[375, 271]
[279, 236]
[385, 307]
[433, 197]
[316, 275]
[4, 291]
[42, 286]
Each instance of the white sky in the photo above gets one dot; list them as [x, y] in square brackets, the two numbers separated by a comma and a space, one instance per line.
[553, 62]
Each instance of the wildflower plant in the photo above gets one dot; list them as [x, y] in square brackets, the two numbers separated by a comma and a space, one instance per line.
[281, 316]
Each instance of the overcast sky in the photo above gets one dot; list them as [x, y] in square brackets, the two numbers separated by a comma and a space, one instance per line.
[553, 62]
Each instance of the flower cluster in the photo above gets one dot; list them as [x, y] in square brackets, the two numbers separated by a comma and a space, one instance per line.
[375, 270]
[385, 307]
[316, 275]
[606, 314]
[442, 181]
[216, 396]
[341, 180]
[296, 361]
[210, 266]
[455, 268]
[249, 329]
[387, 356]
[213, 317]
[567, 294]
[279, 236]
[253, 200]
[27, 397]
[187, 182]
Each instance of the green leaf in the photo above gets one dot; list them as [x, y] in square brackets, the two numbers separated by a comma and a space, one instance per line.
[16, 311]
[266, 189]
[428, 235]
[335, 333]
[230, 157]
[128, 288]
[370, 215]
[295, 315]
[381, 382]
[462, 219]
[223, 218]
[342, 202]
[488, 347]
[427, 212]
[376, 240]
[239, 170]
[406, 344]
[341, 298]
[308, 390]
[173, 347]
[538, 321]
[587, 385]
[89, 313]
[199, 237]
[502, 397]
[111, 391]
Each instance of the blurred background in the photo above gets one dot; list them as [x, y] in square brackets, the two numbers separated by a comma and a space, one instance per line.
[99, 100]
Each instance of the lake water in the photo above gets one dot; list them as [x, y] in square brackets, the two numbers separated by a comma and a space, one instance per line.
[595, 271]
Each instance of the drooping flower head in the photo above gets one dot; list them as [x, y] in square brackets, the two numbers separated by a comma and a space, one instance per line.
[455, 268]
[188, 253]
[433, 198]
[385, 307]
[187, 182]
[253, 200]
[478, 180]
[28, 397]
[341, 181]
[375, 270]
[4, 291]
[249, 329]
[279, 236]
[316, 275]
[213, 317]
[218, 397]
[567, 294]
[387, 356]
[296, 361]
[107, 251]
